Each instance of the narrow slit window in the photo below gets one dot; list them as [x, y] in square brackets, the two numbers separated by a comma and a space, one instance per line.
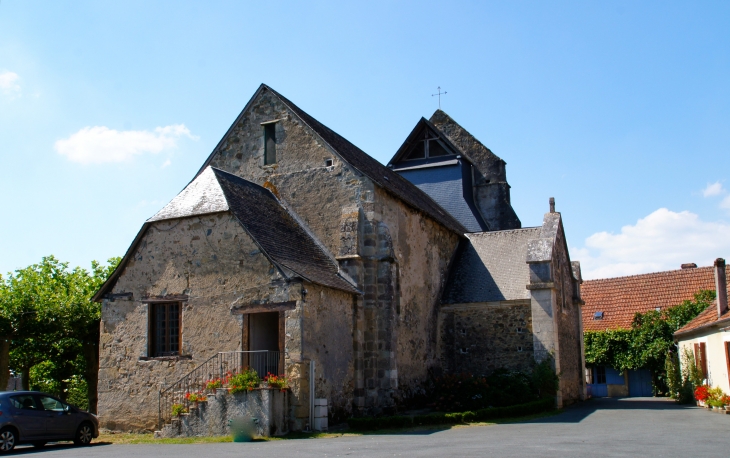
[270, 144]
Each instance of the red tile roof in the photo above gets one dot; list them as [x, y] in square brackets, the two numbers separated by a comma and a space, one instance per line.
[620, 298]
[708, 316]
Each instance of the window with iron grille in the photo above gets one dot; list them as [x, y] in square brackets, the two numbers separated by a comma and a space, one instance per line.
[165, 329]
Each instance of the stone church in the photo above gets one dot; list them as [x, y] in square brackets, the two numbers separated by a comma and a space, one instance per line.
[367, 279]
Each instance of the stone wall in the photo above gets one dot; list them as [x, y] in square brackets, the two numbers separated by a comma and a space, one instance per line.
[555, 302]
[327, 336]
[266, 409]
[401, 265]
[300, 178]
[568, 314]
[386, 246]
[479, 338]
[212, 264]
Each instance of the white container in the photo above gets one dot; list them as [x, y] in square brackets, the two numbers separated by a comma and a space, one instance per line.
[320, 414]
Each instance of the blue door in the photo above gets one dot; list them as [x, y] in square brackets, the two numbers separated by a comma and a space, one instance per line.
[640, 383]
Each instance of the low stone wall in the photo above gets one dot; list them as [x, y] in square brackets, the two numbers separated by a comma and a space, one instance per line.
[269, 409]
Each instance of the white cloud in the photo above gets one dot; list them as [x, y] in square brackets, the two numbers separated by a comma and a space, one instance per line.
[725, 203]
[662, 240]
[166, 164]
[714, 189]
[9, 83]
[99, 144]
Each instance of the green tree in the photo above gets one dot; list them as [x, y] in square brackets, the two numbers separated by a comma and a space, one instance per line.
[46, 315]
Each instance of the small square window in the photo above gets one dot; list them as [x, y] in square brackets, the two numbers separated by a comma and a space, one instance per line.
[598, 316]
[328, 162]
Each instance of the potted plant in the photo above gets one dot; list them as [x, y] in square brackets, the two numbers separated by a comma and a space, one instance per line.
[178, 410]
[715, 404]
[714, 396]
[214, 384]
[278, 382]
[701, 394]
[245, 381]
[196, 398]
[725, 399]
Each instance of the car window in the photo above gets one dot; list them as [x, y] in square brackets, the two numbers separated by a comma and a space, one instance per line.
[50, 403]
[23, 401]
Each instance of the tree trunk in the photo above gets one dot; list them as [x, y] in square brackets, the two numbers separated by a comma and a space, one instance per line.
[25, 378]
[4, 362]
[91, 356]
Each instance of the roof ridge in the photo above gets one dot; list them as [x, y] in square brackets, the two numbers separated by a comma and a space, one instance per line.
[506, 231]
[471, 136]
[281, 259]
[694, 269]
[392, 179]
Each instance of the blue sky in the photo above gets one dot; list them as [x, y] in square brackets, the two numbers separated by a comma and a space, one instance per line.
[620, 110]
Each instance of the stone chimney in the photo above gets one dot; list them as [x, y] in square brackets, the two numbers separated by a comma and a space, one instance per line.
[552, 205]
[720, 286]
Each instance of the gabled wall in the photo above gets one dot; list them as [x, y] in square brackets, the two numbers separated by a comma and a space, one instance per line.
[556, 314]
[211, 261]
[490, 187]
[314, 192]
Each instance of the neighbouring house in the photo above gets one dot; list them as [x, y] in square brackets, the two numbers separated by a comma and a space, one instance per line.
[708, 335]
[356, 280]
[611, 303]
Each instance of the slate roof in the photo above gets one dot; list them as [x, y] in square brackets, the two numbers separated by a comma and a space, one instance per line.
[272, 227]
[445, 186]
[380, 174]
[622, 297]
[202, 195]
[491, 266]
[705, 319]
[278, 233]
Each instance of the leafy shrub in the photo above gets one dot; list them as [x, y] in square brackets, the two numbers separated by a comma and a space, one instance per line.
[373, 423]
[502, 388]
[543, 380]
[245, 381]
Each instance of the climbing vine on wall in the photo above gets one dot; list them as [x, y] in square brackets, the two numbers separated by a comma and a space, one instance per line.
[648, 341]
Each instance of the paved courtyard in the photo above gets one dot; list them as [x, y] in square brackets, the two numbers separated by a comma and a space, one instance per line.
[600, 427]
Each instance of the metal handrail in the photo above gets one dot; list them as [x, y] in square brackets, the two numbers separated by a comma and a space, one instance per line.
[217, 366]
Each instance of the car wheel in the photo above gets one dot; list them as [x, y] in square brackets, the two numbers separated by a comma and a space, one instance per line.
[39, 444]
[84, 434]
[8, 438]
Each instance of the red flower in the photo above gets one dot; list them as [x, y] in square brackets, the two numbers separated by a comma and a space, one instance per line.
[702, 393]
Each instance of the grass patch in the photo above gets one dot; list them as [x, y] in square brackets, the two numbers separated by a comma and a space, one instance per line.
[148, 438]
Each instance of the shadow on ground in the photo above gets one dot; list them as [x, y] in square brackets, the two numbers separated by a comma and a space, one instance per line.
[52, 446]
[580, 411]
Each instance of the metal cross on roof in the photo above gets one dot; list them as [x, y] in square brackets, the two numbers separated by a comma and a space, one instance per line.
[438, 94]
